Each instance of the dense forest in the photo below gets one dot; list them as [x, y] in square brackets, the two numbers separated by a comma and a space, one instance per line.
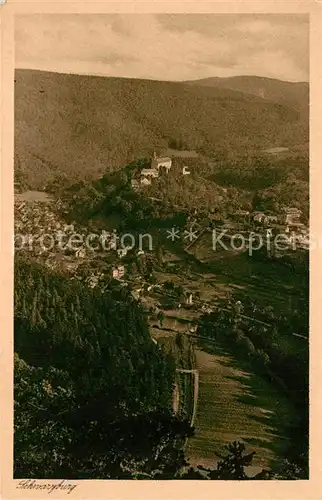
[93, 393]
[98, 124]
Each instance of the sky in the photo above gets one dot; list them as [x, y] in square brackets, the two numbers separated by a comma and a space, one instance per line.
[165, 46]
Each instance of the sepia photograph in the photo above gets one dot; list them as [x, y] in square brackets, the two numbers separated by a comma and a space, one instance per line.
[161, 247]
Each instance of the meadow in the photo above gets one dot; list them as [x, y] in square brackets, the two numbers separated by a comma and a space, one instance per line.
[234, 404]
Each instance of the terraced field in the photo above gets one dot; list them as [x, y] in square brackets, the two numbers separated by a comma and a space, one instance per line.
[234, 404]
[264, 282]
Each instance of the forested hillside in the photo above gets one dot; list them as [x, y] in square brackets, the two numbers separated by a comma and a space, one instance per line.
[294, 95]
[83, 126]
[92, 391]
[248, 182]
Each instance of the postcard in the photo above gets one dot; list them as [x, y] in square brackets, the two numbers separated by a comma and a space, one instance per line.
[161, 249]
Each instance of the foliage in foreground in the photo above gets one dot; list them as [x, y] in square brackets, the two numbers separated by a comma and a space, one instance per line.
[93, 393]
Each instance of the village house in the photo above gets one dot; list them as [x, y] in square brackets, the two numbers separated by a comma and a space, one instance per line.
[149, 172]
[118, 272]
[112, 244]
[145, 181]
[136, 293]
[272, 219]
[121, 270]
[70, 266]
[297, 227]
[260, 217]
[188, 298]
[241, 214]
[205, 308]
[108, 240]
[80, 253]
[292, 215]
[93, 280]
[69, 228]
[135, 183]
[121, 252]
[303, 230]
[304, 242]
[263, 218]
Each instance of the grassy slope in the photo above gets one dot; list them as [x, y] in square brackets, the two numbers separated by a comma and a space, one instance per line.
[264, 282]
[84, 125]
[236, 405]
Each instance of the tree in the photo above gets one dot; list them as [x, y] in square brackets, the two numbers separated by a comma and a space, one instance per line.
[160, 254]
[233, 465]
[89, 383]
[290, 470]
[59, 435]
[180, 291]
[262, 357]
[179, 340]
[168, 285]
[245, 344]
[152, 278]
[161, 318]
[230, 467]
[126, 207]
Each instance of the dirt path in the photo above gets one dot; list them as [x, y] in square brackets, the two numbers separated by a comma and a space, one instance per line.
[176, 399]
[195, 391]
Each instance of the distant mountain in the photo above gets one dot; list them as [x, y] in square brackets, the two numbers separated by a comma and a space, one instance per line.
[82, 126]
[295, 95]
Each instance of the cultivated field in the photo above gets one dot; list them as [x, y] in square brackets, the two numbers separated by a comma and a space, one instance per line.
[236, 405]
[264, 282]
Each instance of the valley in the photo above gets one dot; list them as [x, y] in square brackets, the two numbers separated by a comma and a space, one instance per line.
[214, 339]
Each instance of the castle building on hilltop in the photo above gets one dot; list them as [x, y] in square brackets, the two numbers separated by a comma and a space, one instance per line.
[161, 161]
[146, 174]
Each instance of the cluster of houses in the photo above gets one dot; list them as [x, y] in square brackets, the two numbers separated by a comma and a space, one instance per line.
[290, 216]
[97, 277]
[159, 296]
[31, 215]
[38, 219]
[262, 218]
[289, 222]
[159, 164]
